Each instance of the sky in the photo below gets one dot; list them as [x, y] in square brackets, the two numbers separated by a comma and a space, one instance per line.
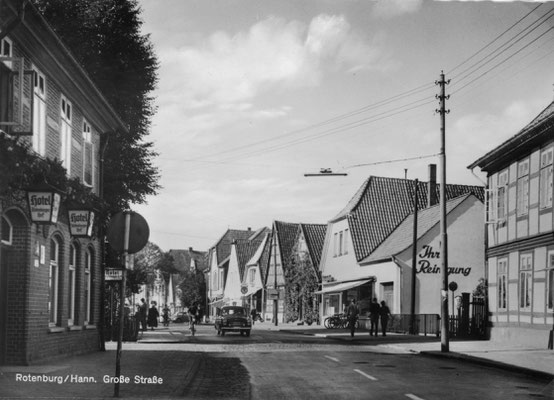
[253, 94]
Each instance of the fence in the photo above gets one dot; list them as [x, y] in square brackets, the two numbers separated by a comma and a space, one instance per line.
[130, 330]
[426, 324]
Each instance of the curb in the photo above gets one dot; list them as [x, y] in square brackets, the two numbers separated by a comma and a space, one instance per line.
[488, 363]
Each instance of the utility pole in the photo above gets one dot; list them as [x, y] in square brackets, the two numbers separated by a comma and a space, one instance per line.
[414, 263]
[444, 236]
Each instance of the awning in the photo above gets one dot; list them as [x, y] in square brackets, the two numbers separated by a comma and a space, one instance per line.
[341, 287]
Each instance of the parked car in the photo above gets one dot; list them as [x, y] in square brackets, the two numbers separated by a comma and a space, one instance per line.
[181, 317]
[233, 319]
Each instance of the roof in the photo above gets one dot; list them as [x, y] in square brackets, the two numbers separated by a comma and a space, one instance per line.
[381, 204]
[182, 259]
[223, 245]
[315, 237]
[286, 234]
[245, 250]
[535, 133]
[402, 237]
[264, 260]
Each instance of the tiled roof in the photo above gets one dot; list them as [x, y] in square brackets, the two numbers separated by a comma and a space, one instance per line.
[223, 245]
[315, 237]
[286, 233]
[381, 204]
[245, 251]
[402, 237]
[538, 131]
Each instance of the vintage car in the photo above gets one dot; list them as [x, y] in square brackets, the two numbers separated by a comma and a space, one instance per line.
[180, 317]
[233, 319]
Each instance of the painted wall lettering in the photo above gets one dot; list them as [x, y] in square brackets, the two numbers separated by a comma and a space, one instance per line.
[427, 263]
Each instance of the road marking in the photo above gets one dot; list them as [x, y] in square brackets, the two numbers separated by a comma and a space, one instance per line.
[366, 375]
[413, 396]
[332, 358]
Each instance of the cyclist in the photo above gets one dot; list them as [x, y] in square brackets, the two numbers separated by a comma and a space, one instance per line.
[193, 310]
[352, 314]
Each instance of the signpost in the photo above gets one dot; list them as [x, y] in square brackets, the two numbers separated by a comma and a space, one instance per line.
[128, 233]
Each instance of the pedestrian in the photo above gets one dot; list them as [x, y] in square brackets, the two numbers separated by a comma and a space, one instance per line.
[153, 316]
[374, 315]
[253, 314]
[165, 314]
[352, 314]
[385, 314]
[143, 310]
[193, 310]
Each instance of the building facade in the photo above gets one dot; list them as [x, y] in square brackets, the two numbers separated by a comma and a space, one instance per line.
[50, 279]
[373, 214]
[520, 240]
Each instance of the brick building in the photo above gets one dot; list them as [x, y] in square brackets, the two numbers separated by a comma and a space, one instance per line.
[50, 280]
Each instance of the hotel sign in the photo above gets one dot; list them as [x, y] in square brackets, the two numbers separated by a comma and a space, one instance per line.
[44, 206]
[113, 274]
[80, 222]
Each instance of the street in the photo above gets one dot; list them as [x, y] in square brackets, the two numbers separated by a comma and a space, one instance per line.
[270, 364]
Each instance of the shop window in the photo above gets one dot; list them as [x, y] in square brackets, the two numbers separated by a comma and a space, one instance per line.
[7, 231]
[331, 304]
[522, 202]
[525, 281]
[88, 288]
[502, 284]
[65, 133]
[545, 195]
[53, 281]
[71, 288]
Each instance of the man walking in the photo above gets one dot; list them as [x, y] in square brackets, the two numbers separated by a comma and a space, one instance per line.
[352, 313]
[374, 314]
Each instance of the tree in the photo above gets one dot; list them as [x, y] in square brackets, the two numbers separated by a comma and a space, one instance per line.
[193, 287]
[302, 281]
[104, 36]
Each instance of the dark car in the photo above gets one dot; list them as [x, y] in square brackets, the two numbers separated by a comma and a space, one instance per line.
[233, 319]
[181, 317]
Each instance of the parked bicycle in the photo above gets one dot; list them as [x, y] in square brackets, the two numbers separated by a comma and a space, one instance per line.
[337, 321]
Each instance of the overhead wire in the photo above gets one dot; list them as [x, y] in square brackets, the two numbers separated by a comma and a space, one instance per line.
[474, 68]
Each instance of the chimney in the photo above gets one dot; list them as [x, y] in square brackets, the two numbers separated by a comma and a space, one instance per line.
[432, 188]
[249, 229]
[190, 249]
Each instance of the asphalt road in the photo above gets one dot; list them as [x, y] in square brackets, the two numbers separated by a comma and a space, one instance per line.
[281, 365]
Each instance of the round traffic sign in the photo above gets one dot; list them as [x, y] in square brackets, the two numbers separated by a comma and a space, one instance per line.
[139, 232]
[453, 286]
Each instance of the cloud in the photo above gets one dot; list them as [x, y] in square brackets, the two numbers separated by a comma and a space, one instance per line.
[393, 8]
[273, 54]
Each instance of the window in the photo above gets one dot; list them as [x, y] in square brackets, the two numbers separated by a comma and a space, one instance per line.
[345, 244]
[65, 134]
[502, 197]
[335, 244]
[86, 297]
[39, 112]
[525, 280]
[88, 155]
[502, 283]
[523, 188]
[341, 238]
[550, 281]
[545, 195]
[7, 231]
[53, 281]
[71, 288]
[252, 276]
[6, 50]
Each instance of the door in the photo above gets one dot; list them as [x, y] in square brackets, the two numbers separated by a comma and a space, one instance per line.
[388, 294]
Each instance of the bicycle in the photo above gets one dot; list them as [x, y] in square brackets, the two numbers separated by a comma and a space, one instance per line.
[192, 325]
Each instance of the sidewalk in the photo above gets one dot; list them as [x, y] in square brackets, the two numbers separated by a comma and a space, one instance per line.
[534, 359]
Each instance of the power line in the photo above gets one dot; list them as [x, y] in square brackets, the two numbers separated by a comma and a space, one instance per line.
[393, 161]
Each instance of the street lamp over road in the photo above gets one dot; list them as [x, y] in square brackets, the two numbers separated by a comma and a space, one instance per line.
[326, 172]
